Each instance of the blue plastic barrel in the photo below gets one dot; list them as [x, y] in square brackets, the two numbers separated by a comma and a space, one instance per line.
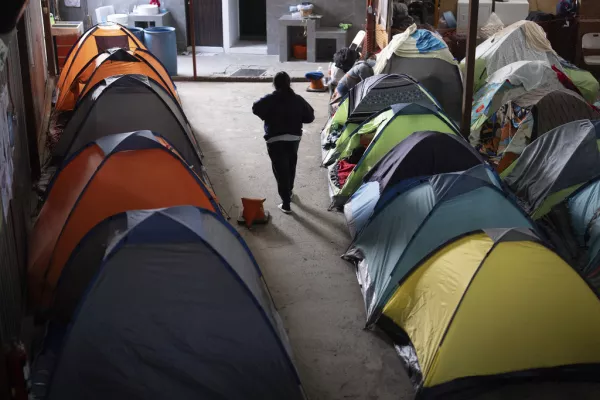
[138, 33]
[162, 42]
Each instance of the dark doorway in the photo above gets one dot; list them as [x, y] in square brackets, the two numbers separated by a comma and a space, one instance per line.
[209, 22]
[253, 20]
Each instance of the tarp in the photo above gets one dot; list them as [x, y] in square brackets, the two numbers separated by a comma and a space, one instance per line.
[404, 120]
[110, 63]
[496, 307]
[425, 56]
[178, 309]
[96, 40]
[553, 166]
[125, 104]
[532, 79]
[521, 41]
[421, 154]
[111, 175]
[419, 215]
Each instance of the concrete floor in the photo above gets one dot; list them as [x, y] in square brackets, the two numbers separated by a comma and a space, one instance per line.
[222, 64]
[316, 292]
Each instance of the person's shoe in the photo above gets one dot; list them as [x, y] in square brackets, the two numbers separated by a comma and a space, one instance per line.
[285, 209]
[293, 197]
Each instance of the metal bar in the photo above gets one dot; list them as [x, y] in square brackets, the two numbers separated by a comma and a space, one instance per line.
[193, 35]
[470, 68]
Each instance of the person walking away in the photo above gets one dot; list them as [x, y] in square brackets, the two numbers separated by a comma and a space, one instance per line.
[283, 112]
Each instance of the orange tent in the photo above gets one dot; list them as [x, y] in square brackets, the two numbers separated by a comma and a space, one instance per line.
[114, 174]
[96, 40]
[110, 63]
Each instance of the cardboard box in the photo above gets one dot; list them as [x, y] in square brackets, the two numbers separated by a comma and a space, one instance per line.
[589, 9]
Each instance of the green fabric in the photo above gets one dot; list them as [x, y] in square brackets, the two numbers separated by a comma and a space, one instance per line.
[352, 141]
[480, 73]
[392, 133]
[341, 115]
[585, 82]
[553, 200]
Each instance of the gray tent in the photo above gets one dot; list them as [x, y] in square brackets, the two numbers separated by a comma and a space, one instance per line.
[177, 309]
[381, 91]
[439, 77]
[559, 161]
[127, 103]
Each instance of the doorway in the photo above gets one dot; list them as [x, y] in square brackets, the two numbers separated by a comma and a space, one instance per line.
[209, 23]
[253, 20]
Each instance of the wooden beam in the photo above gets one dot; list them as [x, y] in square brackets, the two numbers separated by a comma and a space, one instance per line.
[193, 36]
[469, 82]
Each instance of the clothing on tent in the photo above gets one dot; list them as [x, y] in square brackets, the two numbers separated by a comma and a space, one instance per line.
[214, 317]
[426, 57]
[343, 171]
[284, 157]
[487, 295]
[553, 166]
[417, 216]
[113, 174]
[120, 104]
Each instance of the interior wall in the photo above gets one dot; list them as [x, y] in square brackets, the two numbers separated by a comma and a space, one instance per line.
[177, 8]
[38, 64]
[333, 12]
[231, 23]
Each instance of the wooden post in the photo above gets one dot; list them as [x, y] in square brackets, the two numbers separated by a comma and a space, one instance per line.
[193, 35]
[436, 13]
[470, 68]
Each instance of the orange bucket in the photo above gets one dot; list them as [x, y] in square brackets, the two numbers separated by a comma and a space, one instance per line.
[299, 51]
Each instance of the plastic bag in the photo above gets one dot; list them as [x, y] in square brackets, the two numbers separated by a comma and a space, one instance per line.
[493, 25]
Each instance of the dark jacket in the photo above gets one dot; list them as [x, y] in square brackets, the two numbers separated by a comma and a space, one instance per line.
[283, 113]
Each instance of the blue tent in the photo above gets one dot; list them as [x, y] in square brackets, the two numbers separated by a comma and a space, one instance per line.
[421, 154]
[177, 309]
[417, 216]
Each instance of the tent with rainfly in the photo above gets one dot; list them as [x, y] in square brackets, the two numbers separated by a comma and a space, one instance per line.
[490, 308]
[362, 150]
[526, 41]
[114, 174]
[421, 154]
[418, 215]
[93, 42]
[128, 103]
[554, 166]
[367, 98]
[175, 308]
[573, 227]
[425, 56]
[109, 63]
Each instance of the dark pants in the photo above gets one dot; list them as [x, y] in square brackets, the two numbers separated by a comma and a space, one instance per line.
[284, 156]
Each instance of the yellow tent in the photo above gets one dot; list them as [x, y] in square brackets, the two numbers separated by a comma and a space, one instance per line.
[495, 305]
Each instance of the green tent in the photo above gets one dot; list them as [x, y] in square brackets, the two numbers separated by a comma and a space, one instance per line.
[391, 126]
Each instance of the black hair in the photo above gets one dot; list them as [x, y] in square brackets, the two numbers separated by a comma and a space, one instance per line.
[282, 82]
[345, 58]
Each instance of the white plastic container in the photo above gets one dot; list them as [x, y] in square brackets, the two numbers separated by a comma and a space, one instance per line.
[147, 9]
[485, 10]
[122, 19]
[512, 11]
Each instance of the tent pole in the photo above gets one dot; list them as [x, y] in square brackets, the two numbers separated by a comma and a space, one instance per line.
[193, 35]
[469, 82]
